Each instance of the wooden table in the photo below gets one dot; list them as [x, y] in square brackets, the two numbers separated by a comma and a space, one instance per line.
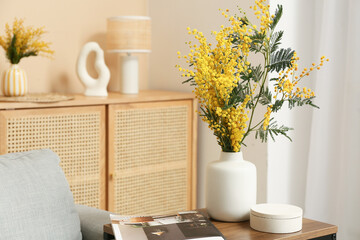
[242, 231]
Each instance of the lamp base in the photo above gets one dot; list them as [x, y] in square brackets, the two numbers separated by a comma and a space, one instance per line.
[129, 75]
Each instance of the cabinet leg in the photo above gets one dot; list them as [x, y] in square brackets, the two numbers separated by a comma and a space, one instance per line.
[108, 236]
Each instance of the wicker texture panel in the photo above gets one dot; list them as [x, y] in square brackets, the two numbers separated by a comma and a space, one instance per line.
[75, 137]
[150, 160]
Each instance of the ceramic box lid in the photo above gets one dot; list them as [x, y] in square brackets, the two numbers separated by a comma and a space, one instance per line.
[276, 211]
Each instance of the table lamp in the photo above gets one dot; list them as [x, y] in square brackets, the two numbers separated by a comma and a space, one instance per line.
[129, 34]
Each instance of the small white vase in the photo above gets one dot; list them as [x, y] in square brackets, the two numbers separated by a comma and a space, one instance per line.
[14, 82]
[230, 188]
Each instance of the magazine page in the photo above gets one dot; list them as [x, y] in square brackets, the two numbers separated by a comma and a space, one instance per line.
[182, 226]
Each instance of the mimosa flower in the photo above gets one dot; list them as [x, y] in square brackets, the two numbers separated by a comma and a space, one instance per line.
[226, 82]
[20, 41]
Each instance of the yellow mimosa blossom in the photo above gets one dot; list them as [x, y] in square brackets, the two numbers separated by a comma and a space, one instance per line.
[20, 41]
[267, 118]
[226, 82]
[217, 73]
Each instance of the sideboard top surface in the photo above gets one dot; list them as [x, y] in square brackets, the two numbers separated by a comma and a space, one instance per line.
[112, 98]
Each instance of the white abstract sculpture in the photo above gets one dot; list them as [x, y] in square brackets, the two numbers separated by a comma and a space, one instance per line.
[94, 87]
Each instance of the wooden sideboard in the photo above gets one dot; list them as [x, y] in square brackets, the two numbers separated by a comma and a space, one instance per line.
[130, 154]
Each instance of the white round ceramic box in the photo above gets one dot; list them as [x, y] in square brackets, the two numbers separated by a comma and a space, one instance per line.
[276, 218]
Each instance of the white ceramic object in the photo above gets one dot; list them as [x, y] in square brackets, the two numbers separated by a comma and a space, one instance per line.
[230, 188]
[14, 82]
[276, 218]
[94, 87]
[129, 75]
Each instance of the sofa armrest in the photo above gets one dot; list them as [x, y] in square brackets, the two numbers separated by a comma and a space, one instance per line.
[92, 222]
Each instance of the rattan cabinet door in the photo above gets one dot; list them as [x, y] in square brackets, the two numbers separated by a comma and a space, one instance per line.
[76, 134]
[151, 169]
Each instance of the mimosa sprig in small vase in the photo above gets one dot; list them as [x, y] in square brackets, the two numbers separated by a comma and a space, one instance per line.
[20, 42]
[230, 88]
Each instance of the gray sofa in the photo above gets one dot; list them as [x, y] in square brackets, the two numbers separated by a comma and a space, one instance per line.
[92, 221]
[36, 201]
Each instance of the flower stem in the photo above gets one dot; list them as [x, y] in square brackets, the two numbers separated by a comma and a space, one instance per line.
[267, 61]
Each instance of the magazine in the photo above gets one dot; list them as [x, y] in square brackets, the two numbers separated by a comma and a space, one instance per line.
[184, 225]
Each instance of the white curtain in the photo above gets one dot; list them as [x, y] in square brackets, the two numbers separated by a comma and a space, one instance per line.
[333, 175]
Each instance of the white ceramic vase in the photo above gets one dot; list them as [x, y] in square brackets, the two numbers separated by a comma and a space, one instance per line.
[14, 82]
[230, 188]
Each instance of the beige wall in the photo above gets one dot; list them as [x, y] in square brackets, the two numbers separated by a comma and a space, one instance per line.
[70, 24]
[169, 22]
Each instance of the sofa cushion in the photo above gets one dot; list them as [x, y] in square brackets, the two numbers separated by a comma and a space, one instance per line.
[35, 198]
